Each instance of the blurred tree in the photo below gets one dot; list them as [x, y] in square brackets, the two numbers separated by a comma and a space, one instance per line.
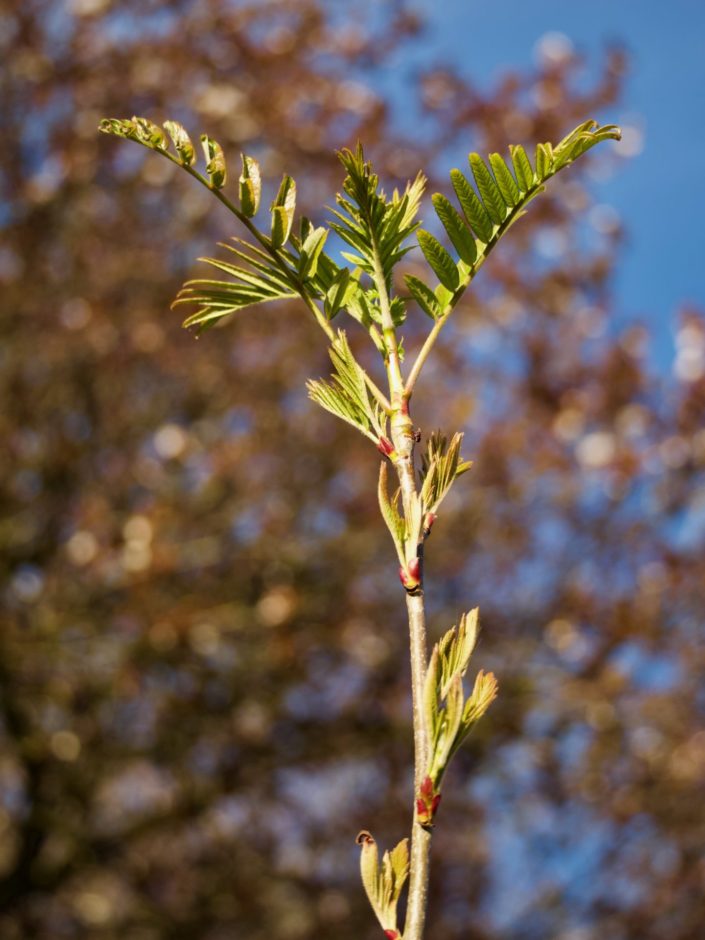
[201, 691]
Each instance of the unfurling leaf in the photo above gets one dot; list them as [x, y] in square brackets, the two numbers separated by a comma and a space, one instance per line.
[311, 251]
[447, 716]
[283, 209]
[149, 133]
[346, 395]
[339, 292]
[215, 161]
[118, 127]
[256, 281]
[140, 129]
[483, 694]
[182, 142]
[456, 648]
[250, 186]
[439, 469]
[390, 513]
[383, 883]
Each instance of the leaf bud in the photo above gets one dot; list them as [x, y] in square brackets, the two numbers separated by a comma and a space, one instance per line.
[427, 803]
[410, 575]
[385, 447]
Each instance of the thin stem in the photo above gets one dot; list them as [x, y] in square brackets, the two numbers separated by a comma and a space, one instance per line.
[396, 382]
[459, 291]
[420, 837]
[423, 354]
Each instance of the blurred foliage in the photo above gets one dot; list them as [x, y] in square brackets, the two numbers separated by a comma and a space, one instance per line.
[203, 689]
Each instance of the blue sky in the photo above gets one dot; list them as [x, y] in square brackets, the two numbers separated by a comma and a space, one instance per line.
[662, 265]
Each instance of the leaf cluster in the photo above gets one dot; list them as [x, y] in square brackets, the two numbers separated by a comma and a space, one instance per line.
[346, 395]
[285, 262]
[374, 226]
[384, 883]
[502, 190]
[406, 532]
[449, 717]
[441, 464]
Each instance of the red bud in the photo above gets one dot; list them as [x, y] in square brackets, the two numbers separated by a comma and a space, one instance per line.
[392, 934]
[385, 446]
[429, 519]
[427, 802]
[409, 576]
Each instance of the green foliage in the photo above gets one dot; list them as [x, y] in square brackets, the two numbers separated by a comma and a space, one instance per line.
[283, 209]
[250, 186]
[440, 465]
[286, 263]
[449, 717]
[459, 234]
[182, 142]
[346, 395]
[257, 281]
[383, 883]
[500, 199]
[439, 259]
[424, 296]
[374, 226]
[215, 161]
[390, 513]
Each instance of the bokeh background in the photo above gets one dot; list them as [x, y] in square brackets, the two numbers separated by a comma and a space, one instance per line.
[204, 689]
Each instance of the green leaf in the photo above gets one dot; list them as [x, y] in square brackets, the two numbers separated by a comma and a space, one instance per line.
[522, 167]
[451, 720]
[149, 133]
[250, 186]
[397, 309]
[283, 209]
[456, 648]
[311, 252]
[431, 695]
[488, 189]
[215, 161]
[383, 883]
[440, 261]
[439, 469]
[390, 513]
[249, 285]
[544, 156]
[483, 694]
[423, 296]
[505, 180]
[118, 127]
[375, 226]
[182, 142]
[473, 209]
[337, 293]
[346, 395]
[460, 235]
